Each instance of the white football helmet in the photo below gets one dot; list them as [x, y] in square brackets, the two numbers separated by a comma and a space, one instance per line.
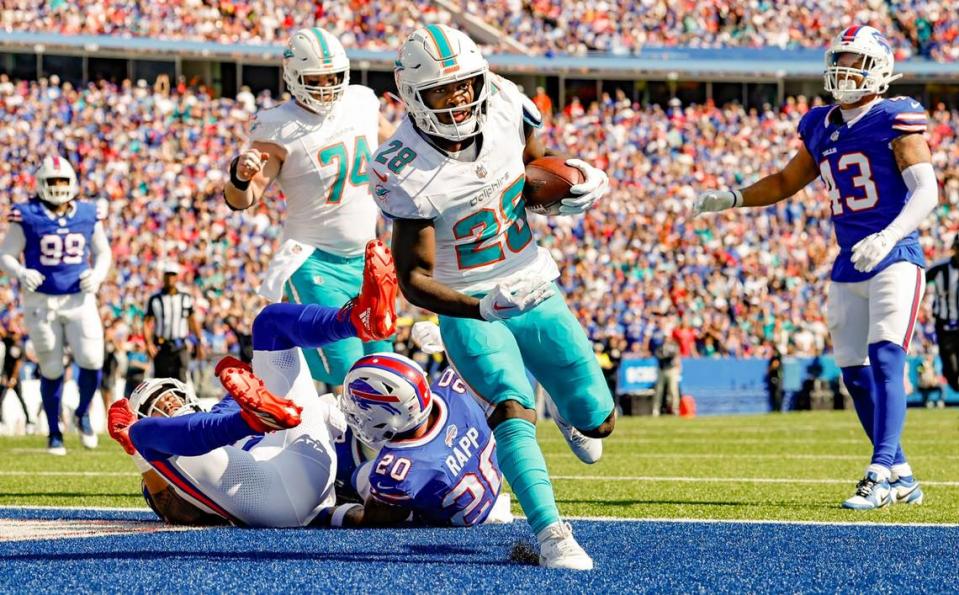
[55, 167]
[877, 65]
[312, 52]
[384, 395]
[148, 393]
[438, 55]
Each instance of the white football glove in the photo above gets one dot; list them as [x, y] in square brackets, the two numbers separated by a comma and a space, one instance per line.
[89, 283]
[512, 299]
[427, 336]
[713, 201]
[871, 250]
[587, 193]
[31, 279]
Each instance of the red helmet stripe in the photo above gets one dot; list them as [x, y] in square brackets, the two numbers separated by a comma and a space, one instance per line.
[415, 377]
[850, 33]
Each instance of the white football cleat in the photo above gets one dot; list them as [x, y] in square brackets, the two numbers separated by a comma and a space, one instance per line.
[55, 446]
[558, 549]
[588, 450]
[87, 436]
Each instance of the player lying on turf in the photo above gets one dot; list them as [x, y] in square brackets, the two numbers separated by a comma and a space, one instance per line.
[452, 179]
[870, 153]
[230, 463]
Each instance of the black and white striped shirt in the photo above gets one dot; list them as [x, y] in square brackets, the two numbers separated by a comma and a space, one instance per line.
[944, 276]
[171, 313]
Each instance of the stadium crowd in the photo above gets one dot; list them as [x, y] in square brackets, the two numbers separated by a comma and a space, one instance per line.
[543, 26]
[637, 270]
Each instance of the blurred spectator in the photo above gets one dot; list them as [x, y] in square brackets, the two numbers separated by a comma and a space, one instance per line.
[943, 278]
[12, 367]
[774, 381]
[930, 383]
[667, 379]
[543, 103]
[111, 364]
[138, 362]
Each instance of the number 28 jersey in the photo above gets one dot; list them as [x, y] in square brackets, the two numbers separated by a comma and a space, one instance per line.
[477, 208]
[58, 246]
[450, 476]
[865, 186]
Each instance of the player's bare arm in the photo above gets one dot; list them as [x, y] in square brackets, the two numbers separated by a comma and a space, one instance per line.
[252, 172]
[911, 149]
[171, 507]
[372, 514]
[414, 252]
[386, 129]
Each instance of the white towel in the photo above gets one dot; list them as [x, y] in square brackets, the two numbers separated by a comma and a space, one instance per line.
[290, 257]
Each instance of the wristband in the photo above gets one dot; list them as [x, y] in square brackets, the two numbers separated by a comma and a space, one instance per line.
[737, 199]
[340, 512]
[237, 182]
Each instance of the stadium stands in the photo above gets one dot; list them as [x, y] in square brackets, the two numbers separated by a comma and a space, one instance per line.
[735, 285]
[543, 26]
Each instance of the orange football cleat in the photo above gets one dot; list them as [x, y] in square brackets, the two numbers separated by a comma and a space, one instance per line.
[261, 409]
[231, 362]
[373, 312]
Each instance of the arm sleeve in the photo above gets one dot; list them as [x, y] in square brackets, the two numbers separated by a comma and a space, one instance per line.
[188, 435]
[102, 257]
[11, 248]
[923, 197]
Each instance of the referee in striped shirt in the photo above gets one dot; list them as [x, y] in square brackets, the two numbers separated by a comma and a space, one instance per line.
[944, 277]
[168, 323]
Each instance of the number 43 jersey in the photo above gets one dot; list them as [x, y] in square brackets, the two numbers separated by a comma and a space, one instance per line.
[58, 246]
[326, 171]
[865, 187]
[477, 208]
[449, 476]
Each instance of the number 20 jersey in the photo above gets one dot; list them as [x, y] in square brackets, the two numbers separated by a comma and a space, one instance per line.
[58, 247]
[450, 476]
[324, 176]
[865, 186]
[477, 208]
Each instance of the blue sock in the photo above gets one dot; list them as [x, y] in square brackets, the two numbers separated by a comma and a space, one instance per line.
[523, 465]
[51, 391]
[157, 438]
[862, 386]
[87, 383]
[888, 363]
[283, 326]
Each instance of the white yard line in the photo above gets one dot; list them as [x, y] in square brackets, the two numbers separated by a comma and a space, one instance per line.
[71, 473]
[803, 480]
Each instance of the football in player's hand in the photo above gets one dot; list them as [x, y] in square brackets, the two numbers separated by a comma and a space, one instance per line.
[548, 180]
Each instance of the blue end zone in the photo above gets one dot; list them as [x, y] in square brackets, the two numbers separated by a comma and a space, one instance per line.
[633, 556]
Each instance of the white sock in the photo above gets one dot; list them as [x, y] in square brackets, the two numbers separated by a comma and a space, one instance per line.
[882, 472]
[900, 470]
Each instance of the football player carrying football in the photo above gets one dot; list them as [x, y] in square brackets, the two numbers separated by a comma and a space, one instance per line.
[255, 459]
[317, 147]
[57, 233]
[451, 178]
[876, 165]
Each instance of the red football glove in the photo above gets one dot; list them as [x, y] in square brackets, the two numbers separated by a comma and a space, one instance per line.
[119, 419]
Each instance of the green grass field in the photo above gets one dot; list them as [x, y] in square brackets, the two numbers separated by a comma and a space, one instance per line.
[707, 468]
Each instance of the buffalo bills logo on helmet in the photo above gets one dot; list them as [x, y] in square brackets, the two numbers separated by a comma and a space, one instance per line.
[367, 397]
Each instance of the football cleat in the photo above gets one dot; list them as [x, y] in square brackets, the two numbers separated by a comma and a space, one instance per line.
[119, 419]
[55, 446]
[906, 490]
[871, 492]
[262, 410]
[87, 436]
[588, 450]
[231, 362]
[558, 549]
[373, 312]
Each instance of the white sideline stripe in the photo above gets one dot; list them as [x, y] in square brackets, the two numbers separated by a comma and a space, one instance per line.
[730, 479]
[603, 519]
[71, 473]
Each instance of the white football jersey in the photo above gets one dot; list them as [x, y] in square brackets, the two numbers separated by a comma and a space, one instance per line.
[482, 236]
[326, 172]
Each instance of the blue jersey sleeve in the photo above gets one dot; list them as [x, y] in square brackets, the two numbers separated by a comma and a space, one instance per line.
[904, 115]
[812, 127]
[16, 214]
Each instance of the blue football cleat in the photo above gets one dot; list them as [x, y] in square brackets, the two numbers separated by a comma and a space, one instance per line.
[55, 446]
[871, 492]
[906, 490]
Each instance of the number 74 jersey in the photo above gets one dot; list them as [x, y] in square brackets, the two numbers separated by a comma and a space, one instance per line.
[865, 187]
[481, 233]
[450, 476]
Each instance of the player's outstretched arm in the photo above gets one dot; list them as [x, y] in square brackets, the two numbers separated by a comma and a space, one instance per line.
[798, 173]
[372, 514]
[251, 173]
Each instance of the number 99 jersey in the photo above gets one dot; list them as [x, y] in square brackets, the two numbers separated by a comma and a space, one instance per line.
[58, 247]
[865, 187]
[449, 476]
